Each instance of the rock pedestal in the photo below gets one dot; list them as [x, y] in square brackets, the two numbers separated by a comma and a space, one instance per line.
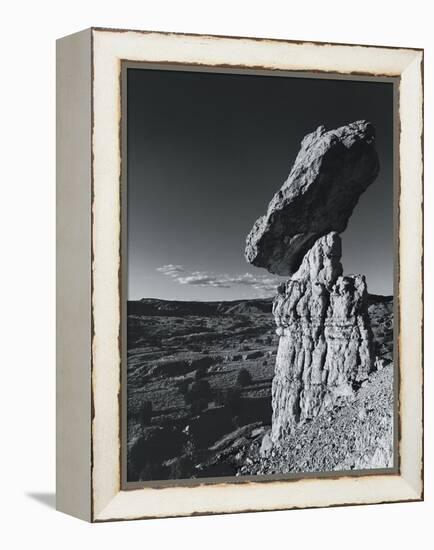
[325, 346]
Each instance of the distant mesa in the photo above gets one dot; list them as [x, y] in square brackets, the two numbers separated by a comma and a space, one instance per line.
[332, 169]
[178, 308]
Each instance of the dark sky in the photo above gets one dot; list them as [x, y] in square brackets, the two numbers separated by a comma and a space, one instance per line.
[207, 152]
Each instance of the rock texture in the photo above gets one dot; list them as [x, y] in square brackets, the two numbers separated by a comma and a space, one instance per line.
[330, 173]
[325, 347]
[357, 435]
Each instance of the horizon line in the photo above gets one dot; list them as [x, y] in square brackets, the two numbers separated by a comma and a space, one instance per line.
[234, 300]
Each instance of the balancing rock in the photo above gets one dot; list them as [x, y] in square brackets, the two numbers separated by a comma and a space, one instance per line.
[331, 171]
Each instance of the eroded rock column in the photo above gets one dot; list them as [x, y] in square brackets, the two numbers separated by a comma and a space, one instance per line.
[325, 346]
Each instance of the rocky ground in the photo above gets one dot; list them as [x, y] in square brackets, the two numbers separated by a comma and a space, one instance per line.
[355, 435]
[184, 396]
[194, 412]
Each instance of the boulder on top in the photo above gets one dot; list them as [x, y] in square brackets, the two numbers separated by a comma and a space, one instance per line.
[331, 171]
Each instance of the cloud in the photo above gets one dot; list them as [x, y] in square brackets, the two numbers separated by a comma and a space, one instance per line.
[171, 270]
[201, 278]
[247, 279]
[264, 285]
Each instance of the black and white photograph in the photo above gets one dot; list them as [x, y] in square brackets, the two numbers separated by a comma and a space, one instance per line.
[259, 265]
[217, 235]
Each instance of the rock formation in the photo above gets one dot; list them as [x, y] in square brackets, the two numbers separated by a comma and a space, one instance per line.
[325, 346]
[330, 173]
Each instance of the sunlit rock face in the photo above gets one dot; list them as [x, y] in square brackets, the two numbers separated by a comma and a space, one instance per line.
[325, 346]
[332, 169]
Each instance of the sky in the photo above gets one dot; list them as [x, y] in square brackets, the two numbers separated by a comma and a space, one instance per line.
[206, 153]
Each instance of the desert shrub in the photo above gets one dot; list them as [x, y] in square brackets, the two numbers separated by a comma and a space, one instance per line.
[200, 389]
[195, 347]
[206, 361]
[231, 399]
[265, 363]
[255, 354]
[244, 378]
[145, 412]
[183, 386]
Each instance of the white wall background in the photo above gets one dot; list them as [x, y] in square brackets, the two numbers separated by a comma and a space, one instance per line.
[27, 107]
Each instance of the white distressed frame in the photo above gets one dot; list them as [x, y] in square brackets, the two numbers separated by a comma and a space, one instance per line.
[108, 49]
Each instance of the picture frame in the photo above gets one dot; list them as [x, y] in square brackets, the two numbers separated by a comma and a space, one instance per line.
[91, 297]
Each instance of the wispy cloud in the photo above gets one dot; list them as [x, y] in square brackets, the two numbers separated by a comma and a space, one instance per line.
[171, 270]
[202, 278]
[264, 285]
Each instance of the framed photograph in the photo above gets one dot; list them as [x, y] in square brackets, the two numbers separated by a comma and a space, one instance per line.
[239, 267]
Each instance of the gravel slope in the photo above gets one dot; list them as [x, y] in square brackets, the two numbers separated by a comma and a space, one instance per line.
[356, 435]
